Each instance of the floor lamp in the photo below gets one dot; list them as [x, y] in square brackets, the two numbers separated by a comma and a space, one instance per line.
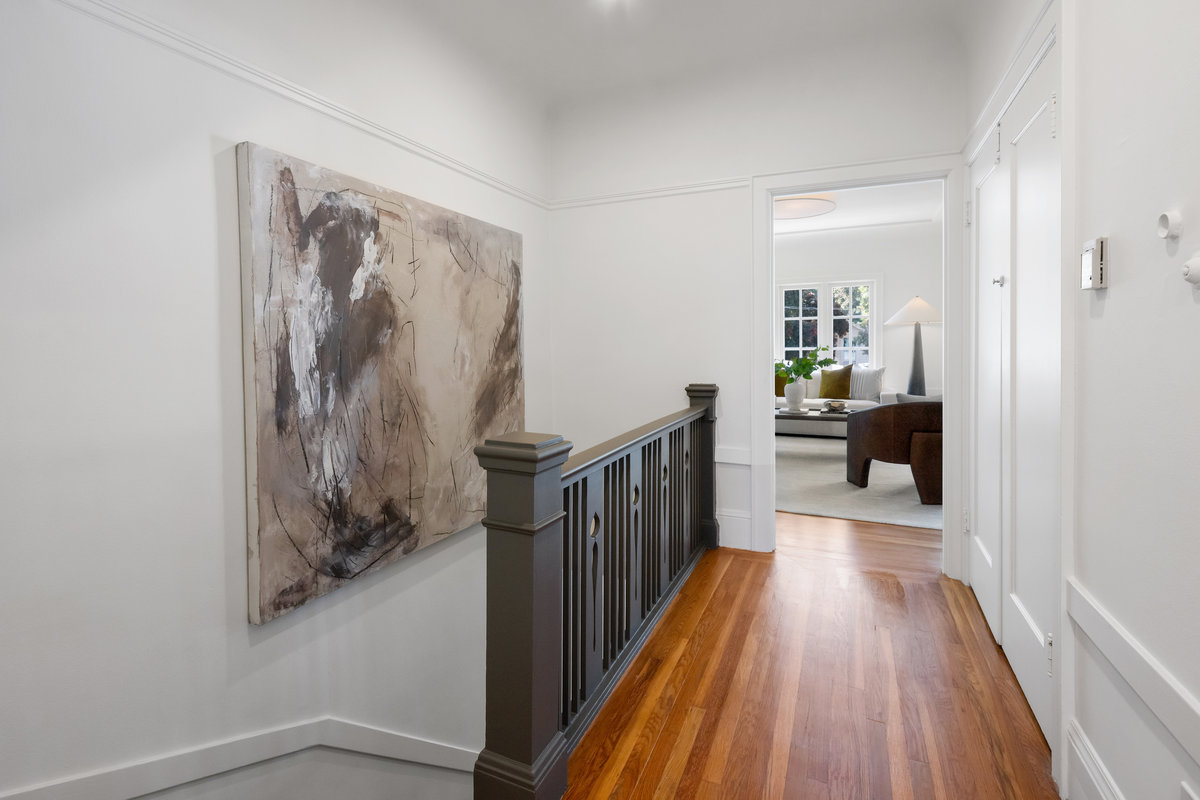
[913, 313]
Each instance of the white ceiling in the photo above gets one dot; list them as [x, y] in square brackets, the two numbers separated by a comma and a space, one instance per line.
[872, 206]
[567, 48]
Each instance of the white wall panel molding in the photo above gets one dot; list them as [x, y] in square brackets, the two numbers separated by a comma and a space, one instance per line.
[1090, 779]
[173, 769]
[1174, 705]
[733, 455]
[1016, 73]
[200, 52]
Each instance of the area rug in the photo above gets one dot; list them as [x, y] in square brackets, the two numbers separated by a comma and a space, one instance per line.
[810, 478]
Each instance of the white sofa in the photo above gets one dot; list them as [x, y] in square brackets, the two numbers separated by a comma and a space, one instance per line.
[866, 392]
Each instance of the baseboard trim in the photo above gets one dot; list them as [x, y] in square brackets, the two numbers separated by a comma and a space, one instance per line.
[166, 771]
[1088, 771]
[195, 50]
[1169, 700]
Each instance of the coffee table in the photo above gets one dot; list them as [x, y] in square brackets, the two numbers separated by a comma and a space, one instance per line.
[830, 424]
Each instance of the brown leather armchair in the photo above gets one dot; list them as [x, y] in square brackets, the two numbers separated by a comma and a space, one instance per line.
[898, 433]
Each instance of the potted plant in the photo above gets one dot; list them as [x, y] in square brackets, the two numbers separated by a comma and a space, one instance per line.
[797, 368]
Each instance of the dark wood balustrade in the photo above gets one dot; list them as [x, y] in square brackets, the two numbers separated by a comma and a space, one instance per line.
[584, 554]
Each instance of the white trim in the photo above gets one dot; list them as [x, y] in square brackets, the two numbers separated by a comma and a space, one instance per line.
[155, 774]
[719, 185]
[1176, 707]
[765, 187]
[733, 455]
[1012, 65]
[1038, 58]
[191, 48]
[1100, 784]
[863, 226]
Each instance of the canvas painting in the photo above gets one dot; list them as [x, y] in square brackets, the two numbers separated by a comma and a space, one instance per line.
[382, 339]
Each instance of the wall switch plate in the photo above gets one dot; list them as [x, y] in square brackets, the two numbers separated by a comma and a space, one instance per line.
[1094, 265]
[1186, 792]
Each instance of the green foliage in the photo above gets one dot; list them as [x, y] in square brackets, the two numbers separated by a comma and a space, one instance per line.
[803, 367]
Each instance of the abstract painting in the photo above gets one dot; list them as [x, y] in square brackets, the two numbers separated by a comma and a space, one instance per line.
[382, 342]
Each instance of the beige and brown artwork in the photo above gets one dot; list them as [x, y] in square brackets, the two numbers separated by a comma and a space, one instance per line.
[382, 339]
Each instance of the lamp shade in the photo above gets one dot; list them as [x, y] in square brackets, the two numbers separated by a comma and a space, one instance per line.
[915, 311]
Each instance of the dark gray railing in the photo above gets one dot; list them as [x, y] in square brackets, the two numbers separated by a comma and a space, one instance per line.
[583, 557]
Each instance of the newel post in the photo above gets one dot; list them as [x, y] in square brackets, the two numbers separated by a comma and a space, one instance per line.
[705, 394]
[525, 753]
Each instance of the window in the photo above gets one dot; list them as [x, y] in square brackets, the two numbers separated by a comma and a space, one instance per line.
[833, 315]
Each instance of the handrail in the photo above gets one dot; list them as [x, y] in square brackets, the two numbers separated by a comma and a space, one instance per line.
[585, 459]
[583, 556]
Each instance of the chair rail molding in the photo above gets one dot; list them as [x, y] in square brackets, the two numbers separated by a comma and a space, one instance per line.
[1169, 700]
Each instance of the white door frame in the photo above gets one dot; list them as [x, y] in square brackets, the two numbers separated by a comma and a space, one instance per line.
[955, 299]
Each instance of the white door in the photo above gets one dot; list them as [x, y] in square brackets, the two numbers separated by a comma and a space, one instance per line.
[992, 202]
[1031, 566]
[1015, 544]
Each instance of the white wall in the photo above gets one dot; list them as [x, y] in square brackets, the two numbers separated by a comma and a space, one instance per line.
[906, 259]
[1136, 546]
[124, 625]
[883, 99]
[667, 276]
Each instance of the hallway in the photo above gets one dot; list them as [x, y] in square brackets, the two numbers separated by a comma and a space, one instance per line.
[842, 666]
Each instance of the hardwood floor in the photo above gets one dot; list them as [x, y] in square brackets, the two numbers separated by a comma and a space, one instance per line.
[842, 666]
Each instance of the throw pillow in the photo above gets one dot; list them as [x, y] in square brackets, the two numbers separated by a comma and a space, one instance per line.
[779, 384]
[835, 383]
[866, 383]
[918, 398]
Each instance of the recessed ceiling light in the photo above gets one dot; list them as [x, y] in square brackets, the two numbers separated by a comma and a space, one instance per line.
[803, 206]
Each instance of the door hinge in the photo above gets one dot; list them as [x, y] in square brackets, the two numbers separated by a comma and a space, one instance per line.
[1054, 116]
[997, 144]
[1050, 654]
[967, 213]
[966, 522]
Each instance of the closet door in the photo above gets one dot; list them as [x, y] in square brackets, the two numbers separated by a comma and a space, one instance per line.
[1031, 569]
[1016, 526]
[992, 234]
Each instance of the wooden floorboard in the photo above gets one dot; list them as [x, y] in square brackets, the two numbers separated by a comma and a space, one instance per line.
[844, 665]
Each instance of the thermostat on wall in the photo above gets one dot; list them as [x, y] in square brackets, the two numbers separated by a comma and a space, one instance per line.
[1094, 272]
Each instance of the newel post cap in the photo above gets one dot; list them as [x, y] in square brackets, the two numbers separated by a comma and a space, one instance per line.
[704, 394]
[523, 451]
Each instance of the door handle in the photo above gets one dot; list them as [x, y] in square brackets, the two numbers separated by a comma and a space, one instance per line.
[998, 281]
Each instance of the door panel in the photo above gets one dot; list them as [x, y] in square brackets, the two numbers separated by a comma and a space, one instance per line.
[1031, 566]
[992, 226]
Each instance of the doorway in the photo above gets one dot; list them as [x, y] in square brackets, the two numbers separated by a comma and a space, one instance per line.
[848, 265]
[947, 169]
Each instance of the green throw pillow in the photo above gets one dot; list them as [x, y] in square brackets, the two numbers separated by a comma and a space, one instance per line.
[835, 383]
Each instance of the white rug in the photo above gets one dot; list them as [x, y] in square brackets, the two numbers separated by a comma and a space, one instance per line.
[810, 478]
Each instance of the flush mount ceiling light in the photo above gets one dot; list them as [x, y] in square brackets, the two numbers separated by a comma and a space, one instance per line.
[803, 206]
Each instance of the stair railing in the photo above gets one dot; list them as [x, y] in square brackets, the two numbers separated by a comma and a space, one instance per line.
[583, 556]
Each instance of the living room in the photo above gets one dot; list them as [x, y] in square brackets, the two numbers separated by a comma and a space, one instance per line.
[847, 262]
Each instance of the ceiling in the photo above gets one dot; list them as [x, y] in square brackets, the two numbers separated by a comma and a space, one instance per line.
[872, 206]
[561, 49]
